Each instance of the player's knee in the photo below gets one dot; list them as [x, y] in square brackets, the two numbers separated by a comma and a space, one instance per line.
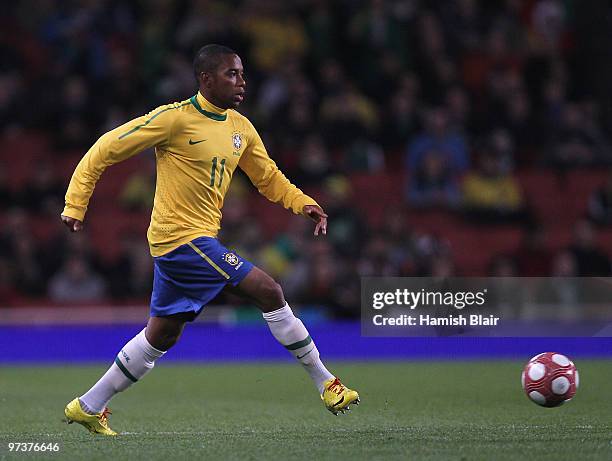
[165, 339]
[272, 296]
[164, 332]
[171, 338]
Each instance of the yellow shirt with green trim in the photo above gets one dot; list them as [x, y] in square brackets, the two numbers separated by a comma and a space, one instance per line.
[197, 148]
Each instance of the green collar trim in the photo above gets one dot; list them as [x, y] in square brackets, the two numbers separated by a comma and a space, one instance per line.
[212, 115]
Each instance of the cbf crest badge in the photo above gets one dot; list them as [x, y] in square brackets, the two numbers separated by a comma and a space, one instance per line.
[231, 258]
[237, 141]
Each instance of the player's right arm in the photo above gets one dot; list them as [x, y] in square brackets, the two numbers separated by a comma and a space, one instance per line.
[153, 129]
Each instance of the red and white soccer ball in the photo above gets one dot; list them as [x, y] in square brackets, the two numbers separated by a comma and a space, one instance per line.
[550, 379]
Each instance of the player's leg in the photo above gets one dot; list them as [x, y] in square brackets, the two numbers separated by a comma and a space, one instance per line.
[170, 309]
[184, 281]
[135, 359]
[284, 326]
[132, 363]
[293, 335]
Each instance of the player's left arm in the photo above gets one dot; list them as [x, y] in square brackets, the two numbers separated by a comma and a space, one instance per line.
[274, 185]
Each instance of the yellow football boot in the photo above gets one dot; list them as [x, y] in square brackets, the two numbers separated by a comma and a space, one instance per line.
[96, 424]
[337, 397]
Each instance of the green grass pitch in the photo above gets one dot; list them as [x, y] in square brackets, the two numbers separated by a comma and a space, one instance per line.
[417, 410]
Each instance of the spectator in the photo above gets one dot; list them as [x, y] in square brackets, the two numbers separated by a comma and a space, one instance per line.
[396, 231]
[76, 282]
[15, 224]
[347, 226]
[7, 197]
[533, 257]
[131, 275]
[275, 91]
[314, 162]
[436, 136]
[432, 251]
[490, 193]
[518, 120]
[377, 33]
[442, 266]
[403, 120]
[45, 191]
[347, 112]
[316, 277]
[376, 259]
[564, 265]
[11, 93]
[459, 110]
[436, 70]
[27, 268]
[274, 32]
[9, 292]
[566, 293]
[503, 266]
[75, 109]
[591, 261]
[321, 30]
[365, 156]
[600, 203]
[139, 191]
[548, 25]
[78, 245]
[506, 296]
[577, 141]
[434, 183]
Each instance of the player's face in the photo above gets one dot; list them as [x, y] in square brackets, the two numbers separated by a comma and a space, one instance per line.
[227, 83]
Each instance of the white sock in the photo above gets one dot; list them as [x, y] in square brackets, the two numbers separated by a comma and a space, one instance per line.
[291, 333]
[134, 361]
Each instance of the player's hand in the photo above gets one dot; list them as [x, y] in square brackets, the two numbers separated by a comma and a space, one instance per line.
[73, 224]
[315, 213]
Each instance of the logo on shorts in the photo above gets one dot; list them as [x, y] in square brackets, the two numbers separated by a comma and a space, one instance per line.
[230, 258]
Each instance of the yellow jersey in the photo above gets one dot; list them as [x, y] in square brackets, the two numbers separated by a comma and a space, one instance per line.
[197, 148]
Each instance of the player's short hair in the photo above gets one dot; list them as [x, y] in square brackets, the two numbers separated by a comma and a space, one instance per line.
[208, 58]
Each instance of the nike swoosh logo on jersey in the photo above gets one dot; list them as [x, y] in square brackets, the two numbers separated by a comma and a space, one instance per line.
[191, 143]
[302, 356]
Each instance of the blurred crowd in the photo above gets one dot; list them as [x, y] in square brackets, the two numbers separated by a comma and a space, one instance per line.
[457, 94]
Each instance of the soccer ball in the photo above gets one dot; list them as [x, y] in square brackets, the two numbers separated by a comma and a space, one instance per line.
[550, 379]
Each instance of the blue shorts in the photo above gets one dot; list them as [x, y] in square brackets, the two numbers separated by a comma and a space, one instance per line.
[190, 276]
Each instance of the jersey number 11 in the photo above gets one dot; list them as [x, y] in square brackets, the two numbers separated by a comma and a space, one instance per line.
[213, 170]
